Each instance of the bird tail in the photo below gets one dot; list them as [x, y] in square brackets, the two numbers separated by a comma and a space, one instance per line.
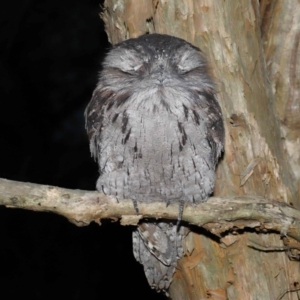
[158, 246]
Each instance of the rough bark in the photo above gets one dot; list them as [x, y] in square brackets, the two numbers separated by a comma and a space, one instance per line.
[255, 161]
[281, 36]
[218, 216]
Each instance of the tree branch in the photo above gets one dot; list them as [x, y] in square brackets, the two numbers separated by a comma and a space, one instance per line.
[217, 215]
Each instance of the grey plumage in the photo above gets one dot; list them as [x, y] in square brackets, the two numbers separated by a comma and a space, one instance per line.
[156, 129]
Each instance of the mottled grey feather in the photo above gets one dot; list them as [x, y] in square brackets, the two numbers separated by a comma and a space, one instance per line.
[156, 129]
[163, 241]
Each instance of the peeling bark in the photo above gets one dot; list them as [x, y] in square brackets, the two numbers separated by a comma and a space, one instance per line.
[281, 35]
[249, 247]
[248, 43]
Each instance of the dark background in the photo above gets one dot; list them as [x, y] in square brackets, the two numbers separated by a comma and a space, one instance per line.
[50, 56]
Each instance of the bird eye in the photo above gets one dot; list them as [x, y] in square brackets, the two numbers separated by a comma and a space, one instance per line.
[136, 69]
[182, 70]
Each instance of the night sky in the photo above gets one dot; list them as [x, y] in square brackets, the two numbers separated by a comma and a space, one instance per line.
[51, 53]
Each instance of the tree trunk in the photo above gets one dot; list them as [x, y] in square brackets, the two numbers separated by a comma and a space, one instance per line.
[252, 48]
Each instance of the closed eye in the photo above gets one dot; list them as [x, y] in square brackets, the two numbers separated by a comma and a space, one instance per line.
[135, 70]
[183, 71]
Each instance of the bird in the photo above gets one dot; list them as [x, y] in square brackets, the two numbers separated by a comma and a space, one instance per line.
[156, 129]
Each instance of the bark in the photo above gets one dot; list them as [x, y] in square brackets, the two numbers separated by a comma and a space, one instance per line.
[218, 215]
[238, 39]
[281, 35]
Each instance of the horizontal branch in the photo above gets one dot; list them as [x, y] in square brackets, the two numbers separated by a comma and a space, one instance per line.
[217, 214]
